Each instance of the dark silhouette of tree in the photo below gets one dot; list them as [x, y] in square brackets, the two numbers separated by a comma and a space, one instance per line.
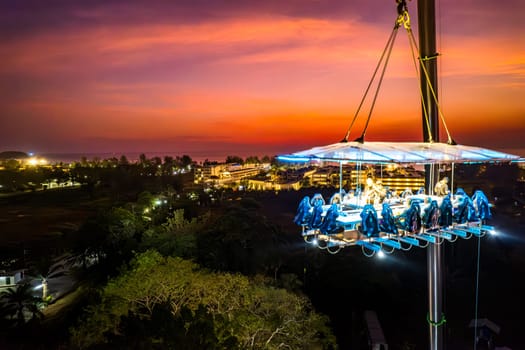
[242, 240]
[185, 160]
[21, 305]
[168, 165]
[266, 159]
[252, 160]
[123, 161]
[177, 236]
[234, 159]
[143, 161]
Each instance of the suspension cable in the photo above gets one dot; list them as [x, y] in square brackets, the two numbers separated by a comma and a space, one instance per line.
[416, 63]
[452, 181]
[477, 295]
[427, 78]
[403, 18]
[362, 137]
[388, 45]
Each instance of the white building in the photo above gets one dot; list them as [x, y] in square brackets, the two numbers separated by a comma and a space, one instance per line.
[11, 278]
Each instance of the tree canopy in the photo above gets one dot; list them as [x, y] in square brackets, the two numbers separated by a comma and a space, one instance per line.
[238, 312]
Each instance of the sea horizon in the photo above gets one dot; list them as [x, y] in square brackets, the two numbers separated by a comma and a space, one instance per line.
[198, 156]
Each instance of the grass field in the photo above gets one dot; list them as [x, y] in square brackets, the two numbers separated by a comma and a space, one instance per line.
[39, 219]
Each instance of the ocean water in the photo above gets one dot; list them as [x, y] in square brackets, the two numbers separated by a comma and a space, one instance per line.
[198, 156]
[132, 156]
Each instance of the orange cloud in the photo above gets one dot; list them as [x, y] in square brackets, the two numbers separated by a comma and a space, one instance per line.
[276, 79]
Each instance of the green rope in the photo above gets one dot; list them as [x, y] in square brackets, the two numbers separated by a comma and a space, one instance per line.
[438, 323]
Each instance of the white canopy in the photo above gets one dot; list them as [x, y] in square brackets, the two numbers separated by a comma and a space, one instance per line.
[399, 152]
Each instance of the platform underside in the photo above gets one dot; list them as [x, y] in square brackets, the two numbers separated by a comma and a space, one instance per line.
[399, 152]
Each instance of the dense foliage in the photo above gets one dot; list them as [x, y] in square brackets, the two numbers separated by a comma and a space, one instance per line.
[160, 301]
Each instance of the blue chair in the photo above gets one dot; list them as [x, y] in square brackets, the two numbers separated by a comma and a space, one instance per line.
[303, 215]
[431, 216]
[412, 218]
[447, 212]
[369, 222]
[481, 203]
[317, 215]
[465, 211]
[329, 224]
[387, 223]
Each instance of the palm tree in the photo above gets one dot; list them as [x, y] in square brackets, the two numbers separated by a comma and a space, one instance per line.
[44, 269]
[6, 310]
[19, 301]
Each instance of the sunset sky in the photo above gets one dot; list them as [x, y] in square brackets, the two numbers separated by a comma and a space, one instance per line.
[247, 77]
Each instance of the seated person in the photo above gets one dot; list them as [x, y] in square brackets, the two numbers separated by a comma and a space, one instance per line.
[460, 192]
[379, 190]
[369, 188]
[441, 188]
[406, 193]
[347, 197]
[317, 198]
[336, 198]
[375, 191]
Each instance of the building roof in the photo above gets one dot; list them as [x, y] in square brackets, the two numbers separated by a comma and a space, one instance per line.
[483, 322]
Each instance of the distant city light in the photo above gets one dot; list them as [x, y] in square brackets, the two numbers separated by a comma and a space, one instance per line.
[36, 161]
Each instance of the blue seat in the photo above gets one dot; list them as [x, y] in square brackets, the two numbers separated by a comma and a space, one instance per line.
[317, 215]
[387, 223]
[411, 218]
[481, 204]
[431, 216]
[465, 212]
[329, 224]
[447, 212]
[303, 215]
[369, 222]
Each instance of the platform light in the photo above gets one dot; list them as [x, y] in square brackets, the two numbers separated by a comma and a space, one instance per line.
[493, 232]
[293, 159]
[381, 255]
[40, 286]
[314, 242]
